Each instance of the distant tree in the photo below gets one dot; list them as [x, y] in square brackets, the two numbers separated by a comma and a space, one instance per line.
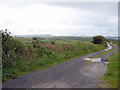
[35, 42]
[52, 42]
[5, 35]
[99, 40]
[35, 38]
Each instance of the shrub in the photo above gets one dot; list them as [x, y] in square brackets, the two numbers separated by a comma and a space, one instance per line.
[35, 38]
[52, 42]
[5, 39]
[98, 40]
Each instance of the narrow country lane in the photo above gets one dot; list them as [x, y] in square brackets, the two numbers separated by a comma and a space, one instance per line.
[70, 74]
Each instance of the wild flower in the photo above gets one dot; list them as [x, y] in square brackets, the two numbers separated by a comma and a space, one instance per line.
[51, 47]
[14, 57]
[85, 44]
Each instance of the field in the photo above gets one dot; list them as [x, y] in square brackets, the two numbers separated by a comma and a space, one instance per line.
[22, 55]
[57, 38]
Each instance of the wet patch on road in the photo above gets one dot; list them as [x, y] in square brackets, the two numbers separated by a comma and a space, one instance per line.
[94, 59]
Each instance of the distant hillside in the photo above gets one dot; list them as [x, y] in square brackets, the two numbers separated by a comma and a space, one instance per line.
[64, 38]
[112, 38]
[39, 35]
[69, 38]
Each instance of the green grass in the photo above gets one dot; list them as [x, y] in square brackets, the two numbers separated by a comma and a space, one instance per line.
[111, 76]
[88, 61]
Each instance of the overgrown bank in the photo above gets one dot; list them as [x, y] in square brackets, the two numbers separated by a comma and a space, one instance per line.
[19, 57]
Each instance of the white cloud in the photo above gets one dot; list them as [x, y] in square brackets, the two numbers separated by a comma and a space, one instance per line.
[64, 19]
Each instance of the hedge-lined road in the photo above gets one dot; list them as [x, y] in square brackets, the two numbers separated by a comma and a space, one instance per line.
[70, 74]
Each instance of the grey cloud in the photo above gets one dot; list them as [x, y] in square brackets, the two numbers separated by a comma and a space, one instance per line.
[102, 12]
[105, 7]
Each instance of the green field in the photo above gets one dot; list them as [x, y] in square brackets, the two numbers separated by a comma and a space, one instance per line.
[57, 38]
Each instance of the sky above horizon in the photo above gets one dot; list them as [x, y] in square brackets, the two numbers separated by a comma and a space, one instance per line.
[60, 18]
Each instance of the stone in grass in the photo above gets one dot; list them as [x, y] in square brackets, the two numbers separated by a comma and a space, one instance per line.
[104, 59]
[14, 77]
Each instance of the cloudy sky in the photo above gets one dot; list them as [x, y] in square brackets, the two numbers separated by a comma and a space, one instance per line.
[60, 18]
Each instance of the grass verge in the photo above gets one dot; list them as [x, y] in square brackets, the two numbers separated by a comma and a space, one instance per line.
[111, 76]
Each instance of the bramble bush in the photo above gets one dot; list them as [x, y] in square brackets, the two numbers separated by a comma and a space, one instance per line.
[14, 53]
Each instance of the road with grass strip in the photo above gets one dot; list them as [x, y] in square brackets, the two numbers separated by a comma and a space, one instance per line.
[76, 73]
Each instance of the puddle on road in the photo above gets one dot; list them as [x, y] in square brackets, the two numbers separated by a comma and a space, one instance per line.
[96, 60]
[93, 60]
[106, 62]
